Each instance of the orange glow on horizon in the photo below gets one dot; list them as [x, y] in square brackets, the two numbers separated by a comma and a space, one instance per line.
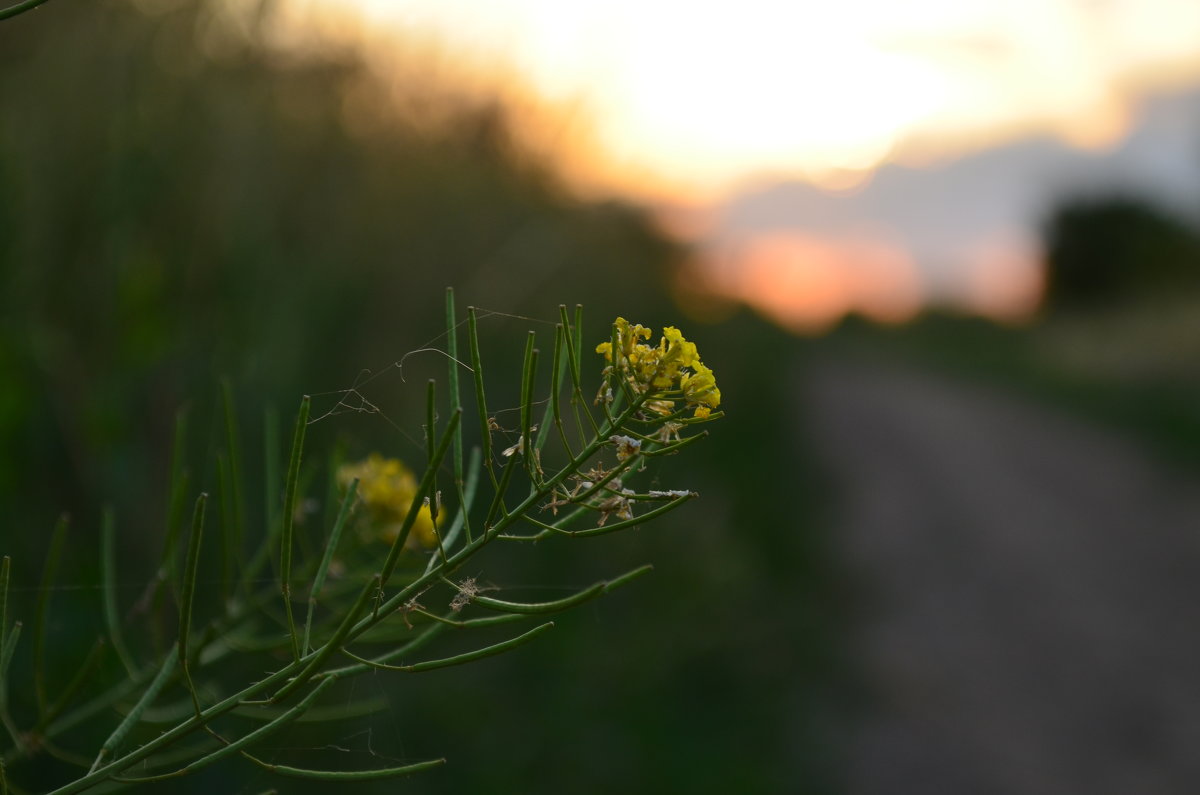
[807, 283]
[1005, 282]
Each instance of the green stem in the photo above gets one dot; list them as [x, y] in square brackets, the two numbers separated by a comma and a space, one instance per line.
[557, 605]
[49, 573]
[330, 547]
[19, 8]
[458, 659]
[109, 568]
[347, 775]
[189, 594]
[289, 517]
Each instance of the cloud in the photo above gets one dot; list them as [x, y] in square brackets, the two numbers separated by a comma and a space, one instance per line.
[969, 228]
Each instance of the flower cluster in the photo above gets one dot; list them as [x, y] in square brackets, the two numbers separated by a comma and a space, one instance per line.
[665, 372]
[386, 487]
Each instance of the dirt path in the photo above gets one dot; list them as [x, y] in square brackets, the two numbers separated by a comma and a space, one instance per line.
[1028, 593]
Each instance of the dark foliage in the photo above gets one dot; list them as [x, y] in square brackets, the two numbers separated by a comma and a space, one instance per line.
[1113, 249]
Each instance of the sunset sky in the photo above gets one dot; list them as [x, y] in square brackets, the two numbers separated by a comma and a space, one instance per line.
[689, 104]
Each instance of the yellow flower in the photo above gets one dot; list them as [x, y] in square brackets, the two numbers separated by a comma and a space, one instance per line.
[387, 488]
[628, 335]
[627, 340]
[700, 388]
[665, 370]
[674, 348]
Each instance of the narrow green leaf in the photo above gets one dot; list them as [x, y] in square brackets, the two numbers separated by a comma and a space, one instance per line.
[180, 753]
[423, 491]
[579, 332]
[289, 515]
[430, 418]
[458, 659]
[271, 467]
[6, 655]
[5, 572]
[134, 715]
[348, 775]
[430, 430]
[528, 373]
[19, 8]
[675, 447]
[575, 356]
[452, 382]
[108, 564]
[49, 575]
[333, 644]
[501, 488]
[466, 498]
[553, 413]
[558, 525]
[330, 547]
[229, 551]
[234, 449]
[561, 604]
[6, 658]
[485, 621]
[188, 593]
[572, 349]
[614, 375]
[176, 499]
[614, 528]
[237, 745]
[423, 638]
[485, 430]
[262, 732]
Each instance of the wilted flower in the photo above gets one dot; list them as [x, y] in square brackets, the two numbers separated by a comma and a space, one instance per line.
[627, 446]
[618, 504]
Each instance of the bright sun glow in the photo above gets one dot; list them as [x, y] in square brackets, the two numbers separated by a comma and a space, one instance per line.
[701, 97]
[687, 102]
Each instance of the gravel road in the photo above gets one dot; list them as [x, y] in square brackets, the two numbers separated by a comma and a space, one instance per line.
[1026, 615]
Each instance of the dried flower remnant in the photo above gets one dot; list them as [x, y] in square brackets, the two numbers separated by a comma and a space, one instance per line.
[627, 446]
[668, 432]
[617, 504]
[467, 590]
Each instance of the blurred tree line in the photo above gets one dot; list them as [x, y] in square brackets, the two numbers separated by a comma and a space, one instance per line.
[1109, 250]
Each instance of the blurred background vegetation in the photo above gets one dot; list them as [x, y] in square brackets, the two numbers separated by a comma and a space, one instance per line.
[181, 200]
